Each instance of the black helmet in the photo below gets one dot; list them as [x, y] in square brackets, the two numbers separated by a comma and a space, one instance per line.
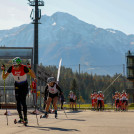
[50, 79]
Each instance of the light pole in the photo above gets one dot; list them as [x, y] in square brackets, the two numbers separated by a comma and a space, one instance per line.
[79, 86]
[36, 16]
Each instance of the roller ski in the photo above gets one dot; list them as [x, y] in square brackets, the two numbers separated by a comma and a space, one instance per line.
[21, 121]
[44, 116]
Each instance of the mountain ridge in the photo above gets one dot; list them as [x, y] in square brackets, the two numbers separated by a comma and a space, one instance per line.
[75, 41]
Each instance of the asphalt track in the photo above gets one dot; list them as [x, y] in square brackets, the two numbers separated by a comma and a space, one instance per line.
[80, 122]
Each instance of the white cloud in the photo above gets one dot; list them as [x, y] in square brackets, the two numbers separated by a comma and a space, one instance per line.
[90, 69]
[12, 15]
[131, 43]
[54, 24]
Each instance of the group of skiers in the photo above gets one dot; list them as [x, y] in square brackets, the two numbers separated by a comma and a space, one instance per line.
[52, 92]
[121, 100]
[97, 100]
[19, 72]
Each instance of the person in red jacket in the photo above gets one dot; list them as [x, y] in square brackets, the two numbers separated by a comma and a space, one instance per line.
[100, 97]
[34, 92]
[19, 72]
[94, 100]
[124, 98]
[116, 97]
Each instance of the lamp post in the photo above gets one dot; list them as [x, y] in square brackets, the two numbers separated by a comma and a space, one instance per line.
[79, 86]
[36, 16]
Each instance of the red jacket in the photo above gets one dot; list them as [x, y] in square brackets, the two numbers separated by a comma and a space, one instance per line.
[33, 87]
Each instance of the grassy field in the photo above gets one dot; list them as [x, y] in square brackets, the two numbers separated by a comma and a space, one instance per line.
[89, 106]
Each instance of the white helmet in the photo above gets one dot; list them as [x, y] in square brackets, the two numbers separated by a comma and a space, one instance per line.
[50, 79]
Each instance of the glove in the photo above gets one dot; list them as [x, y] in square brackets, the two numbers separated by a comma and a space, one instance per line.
[45, 101]
[3, 67]
[60, 93]
[35, 80]
[28, 65]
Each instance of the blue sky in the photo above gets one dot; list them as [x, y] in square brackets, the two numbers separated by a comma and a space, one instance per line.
[115, 14]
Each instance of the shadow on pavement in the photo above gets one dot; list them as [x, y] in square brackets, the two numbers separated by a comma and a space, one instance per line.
[73, 119]
[52, 128]
[73, 111]
[76, 119]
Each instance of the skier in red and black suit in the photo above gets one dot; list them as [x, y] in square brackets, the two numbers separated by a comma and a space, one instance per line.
[99, 100]
[19, 72]
[117, 102]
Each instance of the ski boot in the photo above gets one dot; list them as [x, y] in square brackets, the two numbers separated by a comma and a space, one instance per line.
[25, 122]
[55, 114]
[20, 121]
[44, 116]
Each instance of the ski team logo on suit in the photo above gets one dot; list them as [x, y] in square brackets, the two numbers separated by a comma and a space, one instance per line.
[71, 96]
[19, 75]
[52, 90]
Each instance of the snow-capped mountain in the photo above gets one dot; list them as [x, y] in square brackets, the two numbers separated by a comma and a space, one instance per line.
[62, 35]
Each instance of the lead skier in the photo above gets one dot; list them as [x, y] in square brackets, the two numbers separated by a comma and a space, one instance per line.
[20, 72]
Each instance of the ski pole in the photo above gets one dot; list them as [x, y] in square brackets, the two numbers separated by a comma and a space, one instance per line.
[35, 103]
[36, 108]
[112, 83]
[65, 113]
[6, 102]
[34, 97]
[5, 96]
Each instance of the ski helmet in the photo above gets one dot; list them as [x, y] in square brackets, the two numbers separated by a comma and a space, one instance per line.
[50, 79]
[95, 92]
[123, 91]
[16, 61]
[100, 92]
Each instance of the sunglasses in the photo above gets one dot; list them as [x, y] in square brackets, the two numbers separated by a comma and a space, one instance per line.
[51, 83]
[16, 65]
